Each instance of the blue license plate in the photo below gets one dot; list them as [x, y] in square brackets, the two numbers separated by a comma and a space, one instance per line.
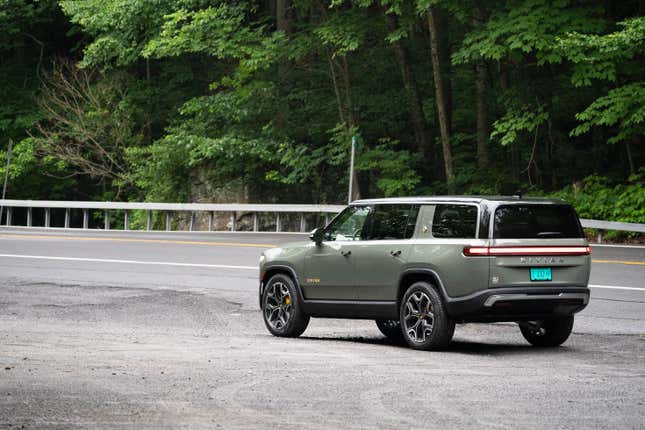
[540, 273]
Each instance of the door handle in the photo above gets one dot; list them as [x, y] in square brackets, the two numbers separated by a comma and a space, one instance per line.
[395, 253]
[345, 253]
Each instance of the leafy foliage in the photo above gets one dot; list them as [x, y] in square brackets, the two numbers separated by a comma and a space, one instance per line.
[623, 107]
[528, 27]
[394, 169]
[186, 97]
[120, 28]
[517, 121]
[611, 57]
[597, 197]
[601, 56]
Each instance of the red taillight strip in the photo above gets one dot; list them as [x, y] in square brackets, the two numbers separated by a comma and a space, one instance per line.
[474, 251]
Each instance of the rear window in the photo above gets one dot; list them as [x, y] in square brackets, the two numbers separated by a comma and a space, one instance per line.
[454, 221]
[536, 222]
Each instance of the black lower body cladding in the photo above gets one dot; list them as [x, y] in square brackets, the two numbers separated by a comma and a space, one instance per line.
[518, 303]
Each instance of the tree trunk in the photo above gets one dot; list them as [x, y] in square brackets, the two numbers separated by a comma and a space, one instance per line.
[630, 160]
[481, 81]
[283, 23]
[413, 96]
[440, 97]
[443, 44]
[514, 148]
[482, 116]
[283, 19]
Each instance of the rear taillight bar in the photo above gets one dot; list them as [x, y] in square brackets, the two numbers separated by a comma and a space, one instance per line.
[496, 251]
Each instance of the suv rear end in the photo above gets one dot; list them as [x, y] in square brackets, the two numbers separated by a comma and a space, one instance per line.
[539, 263]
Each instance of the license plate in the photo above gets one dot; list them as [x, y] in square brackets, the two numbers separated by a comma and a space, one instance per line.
[540, 273]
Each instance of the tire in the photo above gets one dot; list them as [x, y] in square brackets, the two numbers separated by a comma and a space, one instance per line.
[281, 309]
[548, 333]
[391, 329]
[421, 303]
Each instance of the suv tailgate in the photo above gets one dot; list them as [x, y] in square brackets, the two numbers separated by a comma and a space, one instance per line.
[538, 245]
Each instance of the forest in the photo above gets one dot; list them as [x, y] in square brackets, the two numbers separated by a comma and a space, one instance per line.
[258, 100]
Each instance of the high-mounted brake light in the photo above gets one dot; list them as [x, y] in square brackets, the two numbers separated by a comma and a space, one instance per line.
[475, 251]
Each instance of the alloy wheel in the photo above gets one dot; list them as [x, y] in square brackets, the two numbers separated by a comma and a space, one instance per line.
[278, 305]
[418, 319]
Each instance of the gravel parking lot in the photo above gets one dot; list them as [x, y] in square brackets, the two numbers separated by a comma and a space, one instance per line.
[94, 345]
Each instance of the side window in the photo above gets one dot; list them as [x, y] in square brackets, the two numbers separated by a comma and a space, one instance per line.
[455, 221]
[391, 222]
[348, 225]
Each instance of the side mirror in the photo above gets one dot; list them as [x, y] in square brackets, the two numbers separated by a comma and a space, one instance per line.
[317, 235]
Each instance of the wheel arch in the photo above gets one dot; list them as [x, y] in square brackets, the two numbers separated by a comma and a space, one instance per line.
[410, 276]
[270, 271]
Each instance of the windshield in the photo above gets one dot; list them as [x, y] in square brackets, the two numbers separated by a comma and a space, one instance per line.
[536, 222]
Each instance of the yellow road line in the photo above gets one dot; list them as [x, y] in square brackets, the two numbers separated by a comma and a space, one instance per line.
[639, 263]
[117, 239]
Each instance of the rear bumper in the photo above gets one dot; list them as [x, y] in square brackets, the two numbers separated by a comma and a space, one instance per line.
[517, 304]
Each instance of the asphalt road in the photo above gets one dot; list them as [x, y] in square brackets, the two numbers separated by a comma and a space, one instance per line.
[158, 330]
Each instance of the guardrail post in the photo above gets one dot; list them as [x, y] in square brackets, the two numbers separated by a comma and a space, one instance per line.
[303, 223]
[326, 219]
[256, 223]
[233, 221]
[277, 222]
[30, 217]
[8, 216]
[86, 219]
[67, 218]
[168, 221]
[106, 219]
[126, 220]
[599, 237]
[192, 221]
[149, 221]
[210, 220]
[48, 217]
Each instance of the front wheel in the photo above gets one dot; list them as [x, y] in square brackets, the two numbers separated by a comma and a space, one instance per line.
[547, 333]
[281, 308]
[425, 324]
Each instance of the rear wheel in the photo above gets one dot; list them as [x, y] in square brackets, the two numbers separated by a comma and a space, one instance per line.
[390, 328]
[547, 333]
[425, 324]
[281, 308]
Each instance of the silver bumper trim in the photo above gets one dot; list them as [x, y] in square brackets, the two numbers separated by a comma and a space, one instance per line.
[511, 297]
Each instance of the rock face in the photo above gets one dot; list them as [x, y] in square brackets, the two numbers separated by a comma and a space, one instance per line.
[204, 190]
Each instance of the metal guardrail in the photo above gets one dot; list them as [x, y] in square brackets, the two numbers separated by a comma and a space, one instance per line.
[168, 209]
[211, 208]
[602, 226]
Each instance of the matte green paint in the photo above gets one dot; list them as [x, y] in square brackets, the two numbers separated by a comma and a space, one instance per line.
[371, 272]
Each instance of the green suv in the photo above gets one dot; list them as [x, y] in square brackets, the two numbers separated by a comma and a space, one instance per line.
[417, 266]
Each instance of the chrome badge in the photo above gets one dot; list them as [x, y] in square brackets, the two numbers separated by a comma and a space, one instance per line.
[541, 260]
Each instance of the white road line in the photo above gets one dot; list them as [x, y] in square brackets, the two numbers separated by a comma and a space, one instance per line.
[150, 263]
[212, 266]
[614, 287]
[606, 245]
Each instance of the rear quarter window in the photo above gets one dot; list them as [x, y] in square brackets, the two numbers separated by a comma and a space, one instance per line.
[455, 222]
[536, 222]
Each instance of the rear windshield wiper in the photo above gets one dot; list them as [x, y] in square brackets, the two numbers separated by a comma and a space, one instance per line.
[550, 234]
